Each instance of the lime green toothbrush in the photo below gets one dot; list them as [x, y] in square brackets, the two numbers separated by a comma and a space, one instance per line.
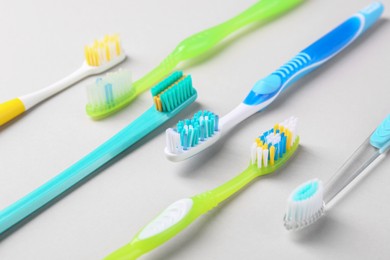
[192, 47]
[268, 153]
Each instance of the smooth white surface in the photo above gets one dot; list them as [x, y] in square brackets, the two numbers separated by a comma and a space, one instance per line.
[338, 106]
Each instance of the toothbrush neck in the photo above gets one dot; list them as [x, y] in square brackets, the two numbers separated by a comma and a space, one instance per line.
[352, 168]
[229, 188]
[236, 116]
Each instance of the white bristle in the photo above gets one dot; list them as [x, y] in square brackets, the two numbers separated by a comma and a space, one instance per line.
[265, 157]
[253, 153]
[110, 89]
[172, 139]
[259, 157]
[305, 205]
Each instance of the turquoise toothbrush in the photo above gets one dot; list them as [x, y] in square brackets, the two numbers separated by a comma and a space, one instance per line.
[193, 136]
[308, 202]
[170, 96]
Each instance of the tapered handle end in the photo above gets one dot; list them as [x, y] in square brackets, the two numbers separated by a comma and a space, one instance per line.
[11, 109]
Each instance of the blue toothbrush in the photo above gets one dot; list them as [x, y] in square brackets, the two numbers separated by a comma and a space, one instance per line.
[170, 97]
[193, 136]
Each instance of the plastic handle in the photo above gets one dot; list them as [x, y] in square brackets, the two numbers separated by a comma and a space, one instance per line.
[315, 55]
[203, 41]
[381, 136]
[166, 225]
[10, 109]
[30, 100]
[81, 169]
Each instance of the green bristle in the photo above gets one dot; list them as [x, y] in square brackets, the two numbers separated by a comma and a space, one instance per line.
[166, 82]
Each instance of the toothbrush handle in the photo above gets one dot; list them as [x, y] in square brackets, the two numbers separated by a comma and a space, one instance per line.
[179, 216]
[13, 108]
[267, 89]
[81, 169]
[378, 143]
[203, 41]
[174, 219]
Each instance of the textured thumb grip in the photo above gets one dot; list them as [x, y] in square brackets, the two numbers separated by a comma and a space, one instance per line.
[10, 110]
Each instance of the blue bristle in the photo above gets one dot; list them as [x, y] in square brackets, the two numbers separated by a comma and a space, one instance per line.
[109, 94]
[202, 129]
[284, 143]
[182, 137]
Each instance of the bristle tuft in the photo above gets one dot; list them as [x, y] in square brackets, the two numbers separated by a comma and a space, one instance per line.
[305, 205]
[103, 51]
[190, 132]
[110, 90]
[172, 91]
[273, 144]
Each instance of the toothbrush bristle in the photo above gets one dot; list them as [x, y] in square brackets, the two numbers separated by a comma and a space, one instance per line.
[271, 147]
[103, 51]
[172, 91]
[110, 90]
[190, 132]
[305, 205]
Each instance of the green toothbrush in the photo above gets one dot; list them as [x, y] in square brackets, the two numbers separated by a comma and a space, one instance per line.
[268, 153]
[189, 48]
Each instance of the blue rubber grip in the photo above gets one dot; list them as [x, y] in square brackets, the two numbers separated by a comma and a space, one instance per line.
[381, 136]
[314, 55]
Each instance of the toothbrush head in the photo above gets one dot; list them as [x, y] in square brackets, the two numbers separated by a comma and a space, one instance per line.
[104, 54]
[192, 135]
[111, 92]
[108, 92]
[305, 205]
[273, 148]
[174, 92]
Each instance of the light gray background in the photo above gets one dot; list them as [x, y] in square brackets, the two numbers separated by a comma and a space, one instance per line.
[338, 106]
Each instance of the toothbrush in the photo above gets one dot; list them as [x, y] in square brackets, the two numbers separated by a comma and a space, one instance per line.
[193, 47]
[190, 136]
[308, 202]
[269, 152]
[170, 96]
[99, 57]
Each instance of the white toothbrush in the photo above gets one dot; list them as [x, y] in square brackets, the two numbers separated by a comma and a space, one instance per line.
[99, 57]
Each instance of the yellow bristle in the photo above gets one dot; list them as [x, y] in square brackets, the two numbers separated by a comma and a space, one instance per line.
[157, 102]
[96, 57]
[272, 155]
[276, 127]
[281, 129]
[87, 56]
[265, 146]
[117, 45]
[95, 44]
[107, 52]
